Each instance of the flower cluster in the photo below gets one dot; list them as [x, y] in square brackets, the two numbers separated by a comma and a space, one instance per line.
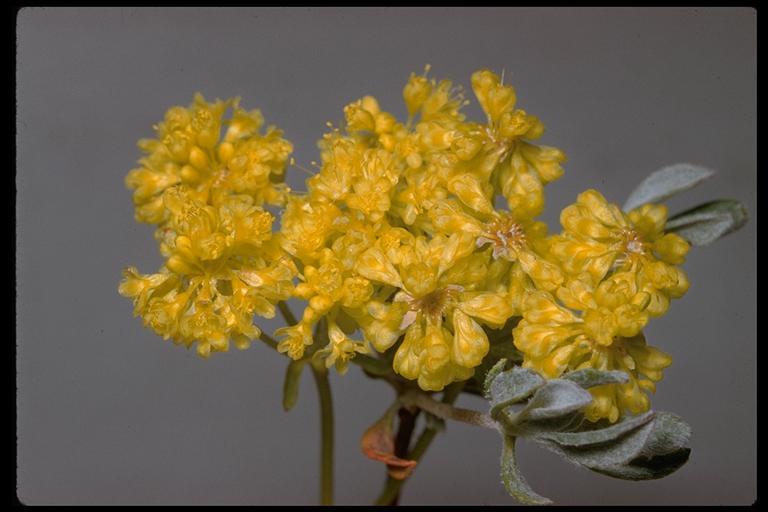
[398, 245]
[620, 270]
[223, 262]
[398, 236]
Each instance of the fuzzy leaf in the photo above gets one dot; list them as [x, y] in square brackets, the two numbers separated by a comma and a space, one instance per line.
[513, 480]
[291, 383]
[588, 377]
[705, 223]
[664, 452]
[604, 455]
[491, 374]
[667, 182]
[531, 428]
[638, 448]
[510, 387]
[602, 435]
[670, 434]
[647, 469]
[556, 398]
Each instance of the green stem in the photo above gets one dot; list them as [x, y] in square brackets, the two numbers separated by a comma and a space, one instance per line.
[326, 434]
[391, 492]
[269, 340]
[290, 319]
[326, 411]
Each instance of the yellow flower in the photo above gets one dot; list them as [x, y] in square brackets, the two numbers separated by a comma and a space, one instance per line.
[340, 349]
[437, 308]
[222, 268]
[524, 168]
[594, 327]
[188, 151]
[512, 239]
[599, 238]
[521, 178]
[416, 92]
[307, 226]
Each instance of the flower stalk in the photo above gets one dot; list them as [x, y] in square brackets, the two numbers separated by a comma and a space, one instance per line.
[326, 433]
[390, 494]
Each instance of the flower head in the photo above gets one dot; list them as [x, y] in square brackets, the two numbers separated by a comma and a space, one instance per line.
[189, 151]
[599, 238]
[437, 304]
[600, 327]
[223, 267]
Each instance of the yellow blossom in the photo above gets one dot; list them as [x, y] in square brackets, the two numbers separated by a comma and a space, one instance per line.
[222, 268]
[188, 151]
[340, 349]
[599, 238]
[437, 310]
[307, 226]
[512, 239]
[594, 327]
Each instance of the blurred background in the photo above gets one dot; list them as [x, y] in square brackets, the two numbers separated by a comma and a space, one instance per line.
[109, 413]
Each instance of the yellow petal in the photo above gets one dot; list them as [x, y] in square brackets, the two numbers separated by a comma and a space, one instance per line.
[493, 308]
[375, 265]
[470, 343]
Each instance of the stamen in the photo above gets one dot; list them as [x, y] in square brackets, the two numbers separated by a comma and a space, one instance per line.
[506, 236]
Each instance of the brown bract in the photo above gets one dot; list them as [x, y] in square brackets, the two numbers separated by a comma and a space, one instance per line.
[378, 443]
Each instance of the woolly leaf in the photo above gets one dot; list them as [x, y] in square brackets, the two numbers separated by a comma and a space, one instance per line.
[510, 387]
[665, 183]
[491, 374]
[588, 377]
[597, 436]
[643, 447]
[647, 469]
[530, 428]
[705, 223]
[513, 480]
[556, 398]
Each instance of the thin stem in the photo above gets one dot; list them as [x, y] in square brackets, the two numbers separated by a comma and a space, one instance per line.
[391, 492]
[446, 411]
[405, 431]
[403, 437]
[326, 434]
[326, 411]
[269, 340]
[290, 319]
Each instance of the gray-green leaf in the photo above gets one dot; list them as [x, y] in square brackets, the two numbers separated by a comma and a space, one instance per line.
[638, 448]
[491, 374]
[647, 469]
[556, 398]
[291, 383]
[597, 436]
[670, 434]
[510, 387]
[604, 455]
[667, 182]
[589, 377]
[513, 480]
[705, 223]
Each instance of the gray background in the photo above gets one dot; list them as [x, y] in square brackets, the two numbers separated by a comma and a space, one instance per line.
[108, 413]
